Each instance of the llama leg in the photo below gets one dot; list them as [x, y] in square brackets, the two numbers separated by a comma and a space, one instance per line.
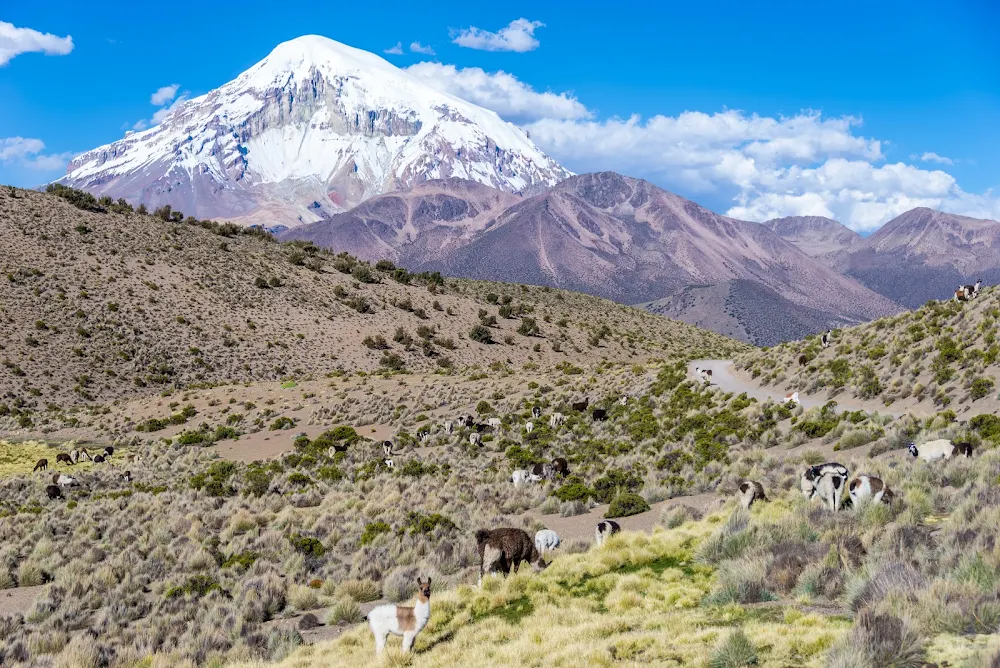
[380, 637]
[408, 639]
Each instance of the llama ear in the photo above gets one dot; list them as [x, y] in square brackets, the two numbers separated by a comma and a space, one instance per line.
[428, 582]
[420, 581]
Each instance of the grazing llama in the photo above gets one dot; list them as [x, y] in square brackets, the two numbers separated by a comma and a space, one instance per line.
[604, 529]
[751, 491]
[401, 620]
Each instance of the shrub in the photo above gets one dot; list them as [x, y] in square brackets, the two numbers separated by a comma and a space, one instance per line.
[283, 422]
[345, 610]
[981, 387]
[627, 504]
[418, 523]
[735, 651]
[363, 273]
[361, 591]
[529, 327]
[374, 530]
[392, 362]
[307, 545]
[480, 334]
[573, 491]
[377, 342]
[615, 482]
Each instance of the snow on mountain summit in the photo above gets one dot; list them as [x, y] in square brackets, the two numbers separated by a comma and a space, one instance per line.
[314, 128]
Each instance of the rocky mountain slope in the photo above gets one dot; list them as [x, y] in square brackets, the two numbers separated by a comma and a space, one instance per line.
[609, 235]
[101, 305]
[314, 128]
[815, 236]
[924, 254]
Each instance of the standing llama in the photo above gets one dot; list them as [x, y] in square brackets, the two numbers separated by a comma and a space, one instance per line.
[401, 620]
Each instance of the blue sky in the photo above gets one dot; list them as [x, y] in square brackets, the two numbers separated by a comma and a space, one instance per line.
[918, 79]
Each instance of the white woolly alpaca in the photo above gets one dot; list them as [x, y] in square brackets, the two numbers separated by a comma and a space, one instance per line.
[529, 427]
[401, 620]
[494, 422]
[475, 438]
[546, 540]
[939, 449]
[556, 419]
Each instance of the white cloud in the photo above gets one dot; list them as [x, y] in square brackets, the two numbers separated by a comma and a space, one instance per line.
[164, 95]
[519, 36]
[501, 92]
[806, 164]
[417, 47]
[163, 112]
[395, 50]
[933, 157]
[15, 41]
[27, 153]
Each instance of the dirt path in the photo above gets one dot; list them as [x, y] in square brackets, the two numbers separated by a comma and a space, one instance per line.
[18, 601]
[725, 376]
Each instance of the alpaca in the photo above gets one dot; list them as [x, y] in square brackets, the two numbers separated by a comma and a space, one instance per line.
[63, 480]
[53, 492]
[387, 448]
[475, 438]
[401, 620]
[98, 459]
[811, 476]
[599, 415]
[869, 487]
[536, 412]
[556, 419]
[500, 550]
[449, 427]
[751, 492]
[529, 427]
[494, 422]
[546, 540]
[80, 455]
[940, 449]
[543, 471]
[41, 465]
[108, 451]
[604, 529]
[803, 360]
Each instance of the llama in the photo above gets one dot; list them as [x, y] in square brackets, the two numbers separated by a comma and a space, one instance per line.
[961, 295]
[98, 459]
[475, 438]
[623, 400]
[449, 427]
[546, 540]
[64, 458]
[808, 481]
[53, 492]
[461, 421]
[543, 471]
[64, 480]
[523, 476]
[971, 291]
[41, 465]
[940, 449]
[751, 492]
[604, 529]
[560, 467]
[401, 620]
[80, 455]
[792, 397]
[556, 419]
[494, 422]
[869, 487]
[581, 406]
[388, 463]
[803, 360]
[536, 412]
[529, 427]
[825, 339]
[599, 415]
[126, 477]
[503, 549]
[830, 490]
[108, 451]
[387, 448]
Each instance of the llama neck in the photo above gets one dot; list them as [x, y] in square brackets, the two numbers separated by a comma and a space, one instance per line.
[422, 611]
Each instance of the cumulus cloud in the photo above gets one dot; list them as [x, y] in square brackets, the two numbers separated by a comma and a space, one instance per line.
[501, 92]
[769, 167]
[518, 36]
[28, 153]
[164, 95]
[15, 41]
[395, 50]
[417, 47]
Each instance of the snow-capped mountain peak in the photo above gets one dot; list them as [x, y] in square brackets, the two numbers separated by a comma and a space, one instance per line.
[314, 128]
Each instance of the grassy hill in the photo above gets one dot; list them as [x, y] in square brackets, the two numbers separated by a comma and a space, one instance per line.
[99, 305]
[942, 355]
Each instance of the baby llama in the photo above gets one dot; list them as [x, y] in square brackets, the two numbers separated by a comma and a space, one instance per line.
[401, 620]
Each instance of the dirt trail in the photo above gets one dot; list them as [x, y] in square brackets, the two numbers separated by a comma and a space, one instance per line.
[725, 376]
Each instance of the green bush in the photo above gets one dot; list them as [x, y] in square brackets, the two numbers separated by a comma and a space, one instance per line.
[627, 504]
[282, 423]
[307, 545]
[480, 334]
[417, 523]
[614, 483]
[573, 491]
[373, 530]
[243, 559]
[528, 327]
[330, 474]
[981, 387]
[520, 457]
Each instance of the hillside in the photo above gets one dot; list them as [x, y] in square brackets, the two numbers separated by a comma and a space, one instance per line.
[100, 306]
[815, 236]
[612, 236]
[314, 128]
[924, 254]
[942, 355]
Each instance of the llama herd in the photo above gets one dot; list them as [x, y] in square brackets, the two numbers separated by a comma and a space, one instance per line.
[61, 481]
